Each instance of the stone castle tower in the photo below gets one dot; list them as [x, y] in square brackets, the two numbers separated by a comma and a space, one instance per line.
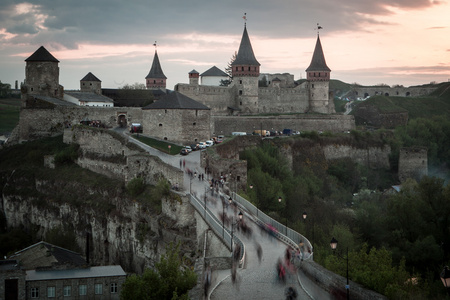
[193, 77]
[155, 78]
[245, 72]
[318, 77]
[42, 75]
[90, 83]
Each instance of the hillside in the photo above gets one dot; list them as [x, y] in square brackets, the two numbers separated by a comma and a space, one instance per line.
[423, 107]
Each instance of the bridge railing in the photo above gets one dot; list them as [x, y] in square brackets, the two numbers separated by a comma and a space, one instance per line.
[285, 233]
[216, 225]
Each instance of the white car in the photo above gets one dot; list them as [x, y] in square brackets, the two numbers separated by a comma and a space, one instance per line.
[201, 145]
[209, 143]
[188, 148]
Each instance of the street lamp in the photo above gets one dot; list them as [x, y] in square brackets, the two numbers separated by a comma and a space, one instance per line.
[256, 200]
[304, 216]
[232, 227]
[445, 277]
[279, 201]
[333, 245]
[190, 184]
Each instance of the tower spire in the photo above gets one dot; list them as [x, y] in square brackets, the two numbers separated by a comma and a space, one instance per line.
[156, 78]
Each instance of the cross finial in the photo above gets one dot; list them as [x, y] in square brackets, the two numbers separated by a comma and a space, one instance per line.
[155, 45]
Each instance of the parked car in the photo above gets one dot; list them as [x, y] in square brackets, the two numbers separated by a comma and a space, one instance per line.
[184, 151]
[209, 143]
[188, 149]
[202, 145]
[219, 139]
[194, 147]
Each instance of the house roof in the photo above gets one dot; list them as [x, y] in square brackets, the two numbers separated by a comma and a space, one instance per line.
[318, 60]
[176, 100]
[90, 77]
[101, 271]
[53, 100]
[41, 54]
[156, 70]
[89, 96]
[245, 54]
[214, 71]
[43, 254]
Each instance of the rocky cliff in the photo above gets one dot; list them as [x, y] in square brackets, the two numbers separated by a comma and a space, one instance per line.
[120, 229]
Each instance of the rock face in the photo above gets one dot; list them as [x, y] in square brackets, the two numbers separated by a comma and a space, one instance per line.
[119, 229]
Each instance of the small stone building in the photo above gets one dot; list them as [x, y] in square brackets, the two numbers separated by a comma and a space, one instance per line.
[177, 118]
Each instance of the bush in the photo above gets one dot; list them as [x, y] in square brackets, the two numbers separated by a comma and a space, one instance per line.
[136, 186]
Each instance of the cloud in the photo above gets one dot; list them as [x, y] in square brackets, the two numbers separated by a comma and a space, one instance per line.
[139, 21]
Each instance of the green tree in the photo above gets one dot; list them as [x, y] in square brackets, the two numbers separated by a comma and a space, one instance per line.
[134, 86]
[169, 280]
[229, 68]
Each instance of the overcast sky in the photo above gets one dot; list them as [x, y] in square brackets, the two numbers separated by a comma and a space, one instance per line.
[365, 41]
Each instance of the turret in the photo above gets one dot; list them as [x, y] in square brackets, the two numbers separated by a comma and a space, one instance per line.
[318, 76]
[156, 78]
[193, 77]
[90, 83]
[42, 75]
[245, 72]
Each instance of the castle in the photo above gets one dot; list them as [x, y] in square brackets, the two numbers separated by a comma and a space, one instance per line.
[281, 95]
[192, 112]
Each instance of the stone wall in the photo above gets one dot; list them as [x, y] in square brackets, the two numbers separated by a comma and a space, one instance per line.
[284, 100]
[12, 272]
[110, 154]
[363, 92]
[413, 163]
[373, 157]
[225, 125]
[371, 115]
[182, 126]
[37, 123]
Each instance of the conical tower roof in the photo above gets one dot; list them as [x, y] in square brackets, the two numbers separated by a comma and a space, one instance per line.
[245, 54]
[41, 54]
[156, 70]
[318, 62]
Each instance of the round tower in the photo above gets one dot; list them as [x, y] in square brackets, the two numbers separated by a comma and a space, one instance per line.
[42, 75]
[245, 72]
[155, 78]
[318, 76]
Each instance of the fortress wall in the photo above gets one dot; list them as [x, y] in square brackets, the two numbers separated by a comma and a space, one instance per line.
[114, 157]
[335, 123]
[36, 123]
[413, 163]
[177, 125]
[373, 157]
[218, 98]
[394, 91]
[283, 100]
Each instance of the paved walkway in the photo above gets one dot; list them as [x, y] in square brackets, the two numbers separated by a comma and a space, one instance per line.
[256, 279]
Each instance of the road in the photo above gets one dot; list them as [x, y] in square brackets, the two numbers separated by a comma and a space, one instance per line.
[255, 280]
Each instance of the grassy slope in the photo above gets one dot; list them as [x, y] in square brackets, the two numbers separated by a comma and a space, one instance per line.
[9, 114]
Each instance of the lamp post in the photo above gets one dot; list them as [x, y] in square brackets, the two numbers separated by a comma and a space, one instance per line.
[256, 200]
[333, 245]
[304, 216]
[279, 201]
[445, 277]
[232, 227]
[190, 184]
